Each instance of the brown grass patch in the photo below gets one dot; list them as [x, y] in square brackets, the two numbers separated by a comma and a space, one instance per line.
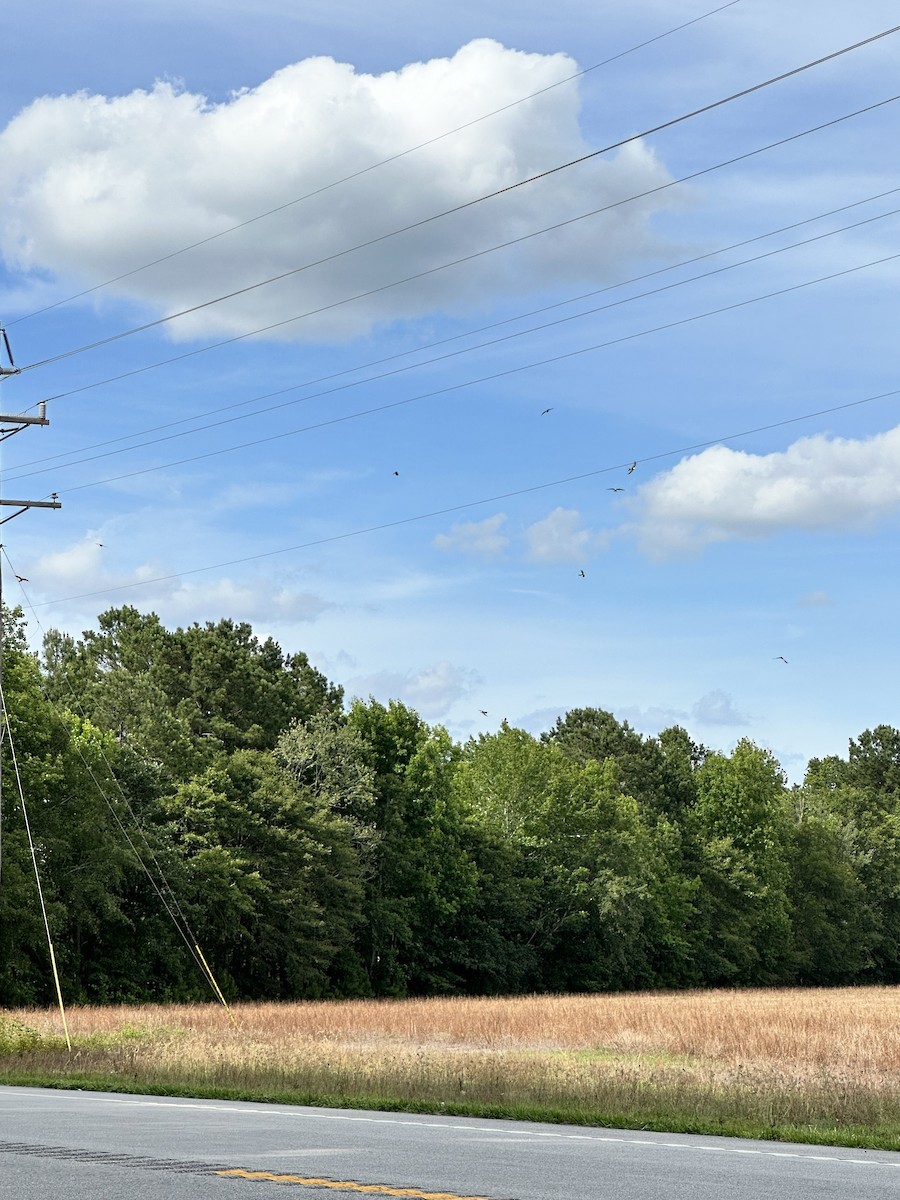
[819, 1058]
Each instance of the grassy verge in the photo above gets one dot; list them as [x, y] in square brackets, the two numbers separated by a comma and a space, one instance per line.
[411, 1057]
[648, 1117]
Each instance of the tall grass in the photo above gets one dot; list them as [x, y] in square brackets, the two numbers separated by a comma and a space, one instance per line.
[821, 1065]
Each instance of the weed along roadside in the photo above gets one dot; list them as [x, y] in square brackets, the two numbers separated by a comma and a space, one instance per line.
[819, 1065]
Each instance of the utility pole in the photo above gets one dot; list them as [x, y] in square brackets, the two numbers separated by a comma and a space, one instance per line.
[11, 424]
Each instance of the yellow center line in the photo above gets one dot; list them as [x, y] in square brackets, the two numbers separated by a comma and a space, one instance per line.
[372, 1189]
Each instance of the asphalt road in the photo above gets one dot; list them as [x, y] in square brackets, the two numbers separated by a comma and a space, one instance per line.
[57, 1145]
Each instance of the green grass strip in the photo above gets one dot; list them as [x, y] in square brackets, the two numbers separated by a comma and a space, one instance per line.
[879, 1137]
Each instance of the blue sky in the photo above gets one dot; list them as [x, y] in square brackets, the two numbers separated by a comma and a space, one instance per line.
[374, 479]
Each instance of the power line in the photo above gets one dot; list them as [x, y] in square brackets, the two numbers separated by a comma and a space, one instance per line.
[460, 207]
[374, 166]
[455, 387]
[442, 512]
[19, 472]
[468, 258]
[23, 474]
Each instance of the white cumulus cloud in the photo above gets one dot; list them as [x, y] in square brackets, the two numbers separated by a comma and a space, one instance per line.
[717, 708]
[561, 538]
[430, 691]
[84, 568]
[475, 537]
[818, 483]
[94, 186]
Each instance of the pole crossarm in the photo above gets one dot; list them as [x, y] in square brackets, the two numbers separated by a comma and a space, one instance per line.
[23, 505]
[11, 423]
[32, 503]
[20, 420]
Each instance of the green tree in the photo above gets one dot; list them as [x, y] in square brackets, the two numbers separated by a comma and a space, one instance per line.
[422, 881]
[268, 877]
[862, 793]
[834, 923]
[62, 766]
[181, 698]
[604, 904]
[658, 773]
[741, 830]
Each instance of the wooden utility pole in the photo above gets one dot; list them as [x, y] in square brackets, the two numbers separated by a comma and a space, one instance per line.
[11, 424]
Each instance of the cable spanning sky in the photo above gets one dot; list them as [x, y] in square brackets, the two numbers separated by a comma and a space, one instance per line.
[626, 435]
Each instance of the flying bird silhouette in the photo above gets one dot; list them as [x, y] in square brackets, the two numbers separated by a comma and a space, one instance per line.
[396, 472]
[781, 658]
[615, 489]
[546, 410]
[21, 579]
[483, 711]
[582, 574]
[632, 467]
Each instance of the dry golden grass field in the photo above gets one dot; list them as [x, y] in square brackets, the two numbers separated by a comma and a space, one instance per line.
[821, 1064]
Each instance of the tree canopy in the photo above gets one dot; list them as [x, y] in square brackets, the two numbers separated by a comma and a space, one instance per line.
[202, 788]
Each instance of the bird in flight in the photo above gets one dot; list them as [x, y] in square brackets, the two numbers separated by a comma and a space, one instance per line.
[632, 467]
[483, 711]
[546, 410]
[397, 473]
[781, 658]
[21, 579]
[582, 574]
[615, 489]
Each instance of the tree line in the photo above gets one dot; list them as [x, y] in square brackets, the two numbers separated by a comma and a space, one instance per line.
[202, 786]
